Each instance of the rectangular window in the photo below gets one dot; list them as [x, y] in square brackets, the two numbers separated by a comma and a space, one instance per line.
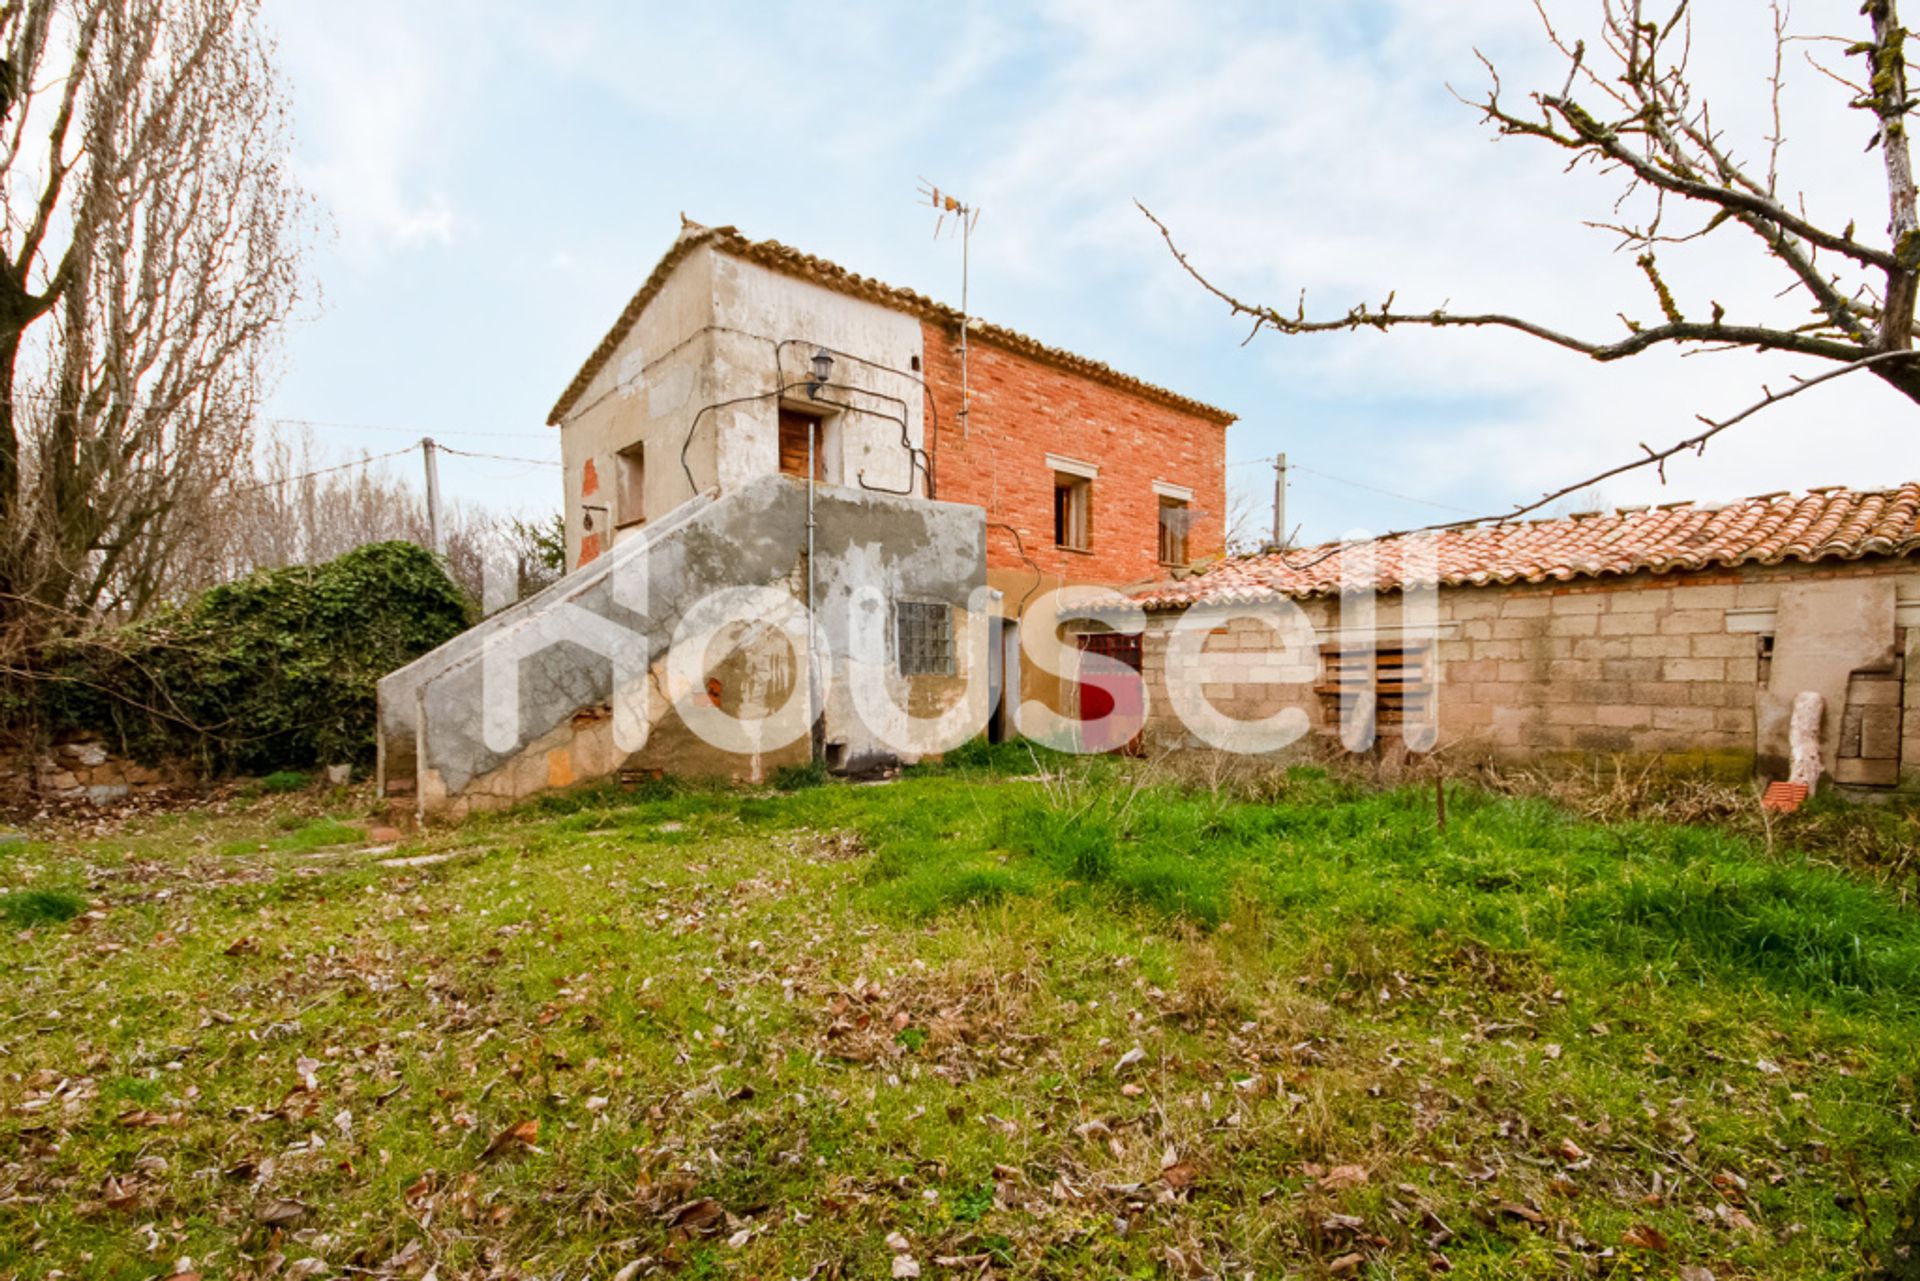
[923, 638]
[1379, 687]
[1175, 516]
[631, 498]
[1072, 511]
[797, 430]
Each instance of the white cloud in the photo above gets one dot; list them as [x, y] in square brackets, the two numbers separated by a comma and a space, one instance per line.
[1291, 146]
[376, 101]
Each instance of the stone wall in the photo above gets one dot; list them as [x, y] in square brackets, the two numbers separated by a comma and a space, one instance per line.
[86, 771]
[1678, 668]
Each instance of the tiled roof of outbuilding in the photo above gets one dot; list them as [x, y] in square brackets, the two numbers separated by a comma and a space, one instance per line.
[1822, 524]
[788, 261]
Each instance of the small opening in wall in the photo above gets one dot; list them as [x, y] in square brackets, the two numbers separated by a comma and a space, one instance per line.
[915, 364]
[836, 756]
[1072, 511]
[799, 434]
[923, 638]
[1175, 518]
[630, 506]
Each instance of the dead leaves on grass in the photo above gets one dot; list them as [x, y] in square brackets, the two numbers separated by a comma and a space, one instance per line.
[515, 1139]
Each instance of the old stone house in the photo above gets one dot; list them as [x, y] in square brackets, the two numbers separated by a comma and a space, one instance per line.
[1678, 635]
[1085, 475]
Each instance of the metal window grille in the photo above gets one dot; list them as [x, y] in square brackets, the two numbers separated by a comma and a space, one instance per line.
[923, 638]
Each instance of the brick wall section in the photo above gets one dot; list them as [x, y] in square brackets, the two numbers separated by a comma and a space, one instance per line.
[1022, 410]
[1640, 666]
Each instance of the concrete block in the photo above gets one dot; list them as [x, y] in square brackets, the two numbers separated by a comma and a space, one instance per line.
[1630, 669]
[1579, 603]
[1865, 773]
[1573, 625]
[1600, 739]
[1694, 669]
[1880, 733]
[1719, 596]
[1603, 646]
[1627, 624]
[1723, 645]
[1690, 719]
[1869, 692]
[1662, 646]
[1526, 606]
[1690, 622]
[1623, 716]
[1641, 600]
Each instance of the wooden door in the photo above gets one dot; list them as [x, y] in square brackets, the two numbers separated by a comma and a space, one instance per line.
[795, 428]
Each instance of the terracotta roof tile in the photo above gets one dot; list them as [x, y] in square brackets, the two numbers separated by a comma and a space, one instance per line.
[792, 262]
[1822, 524]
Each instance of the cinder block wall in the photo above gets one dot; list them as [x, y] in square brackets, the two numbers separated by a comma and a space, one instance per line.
[1669, 667]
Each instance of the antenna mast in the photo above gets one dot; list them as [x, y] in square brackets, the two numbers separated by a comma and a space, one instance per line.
[964, 216]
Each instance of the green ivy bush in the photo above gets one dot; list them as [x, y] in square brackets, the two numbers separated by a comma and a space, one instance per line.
[276, 671]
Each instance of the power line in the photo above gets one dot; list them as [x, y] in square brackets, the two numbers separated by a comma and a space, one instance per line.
[322, 471]
[500, 458]
[411, 431]
[1361, 484]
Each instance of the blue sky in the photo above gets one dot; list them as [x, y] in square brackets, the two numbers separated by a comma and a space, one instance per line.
[497, 179]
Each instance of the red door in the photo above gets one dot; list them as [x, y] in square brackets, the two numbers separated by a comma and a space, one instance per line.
[1112, 694]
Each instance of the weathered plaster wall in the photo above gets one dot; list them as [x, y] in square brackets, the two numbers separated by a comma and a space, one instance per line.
[867, 547]
[879, 397]
[1675, 667]
[648, 393]
[722, 330]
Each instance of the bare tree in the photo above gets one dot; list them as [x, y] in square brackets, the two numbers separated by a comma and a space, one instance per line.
[1632, 108]
[148, 259]
[297, 508]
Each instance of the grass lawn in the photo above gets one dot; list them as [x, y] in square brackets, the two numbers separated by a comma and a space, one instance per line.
[963, 1023]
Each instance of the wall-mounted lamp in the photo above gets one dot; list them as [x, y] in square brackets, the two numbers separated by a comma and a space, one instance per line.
[822, 371]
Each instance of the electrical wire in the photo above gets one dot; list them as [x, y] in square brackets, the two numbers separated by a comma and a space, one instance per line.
[1360, 484]
[321, 471]
[499, 458]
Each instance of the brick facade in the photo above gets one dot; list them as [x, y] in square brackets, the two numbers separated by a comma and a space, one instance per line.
[1671, 668]
[1023, 409]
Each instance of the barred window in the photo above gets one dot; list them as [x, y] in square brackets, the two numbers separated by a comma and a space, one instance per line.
[923, 638]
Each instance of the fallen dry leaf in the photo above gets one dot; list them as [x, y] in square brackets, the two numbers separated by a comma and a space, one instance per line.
[1344, 1176]
[281, 1212]
[698, 1217]
[1515, 1209]
[522, 1135]
[1347, 1263]
[1646, 1237]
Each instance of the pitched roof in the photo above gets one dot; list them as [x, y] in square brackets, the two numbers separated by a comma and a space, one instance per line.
[1822, 524]
[791, 262]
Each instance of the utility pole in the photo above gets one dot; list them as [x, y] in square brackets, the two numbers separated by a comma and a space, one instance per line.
[1280, 501]
[427, 455]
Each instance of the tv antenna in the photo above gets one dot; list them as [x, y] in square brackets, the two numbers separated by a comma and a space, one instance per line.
[964, 217]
